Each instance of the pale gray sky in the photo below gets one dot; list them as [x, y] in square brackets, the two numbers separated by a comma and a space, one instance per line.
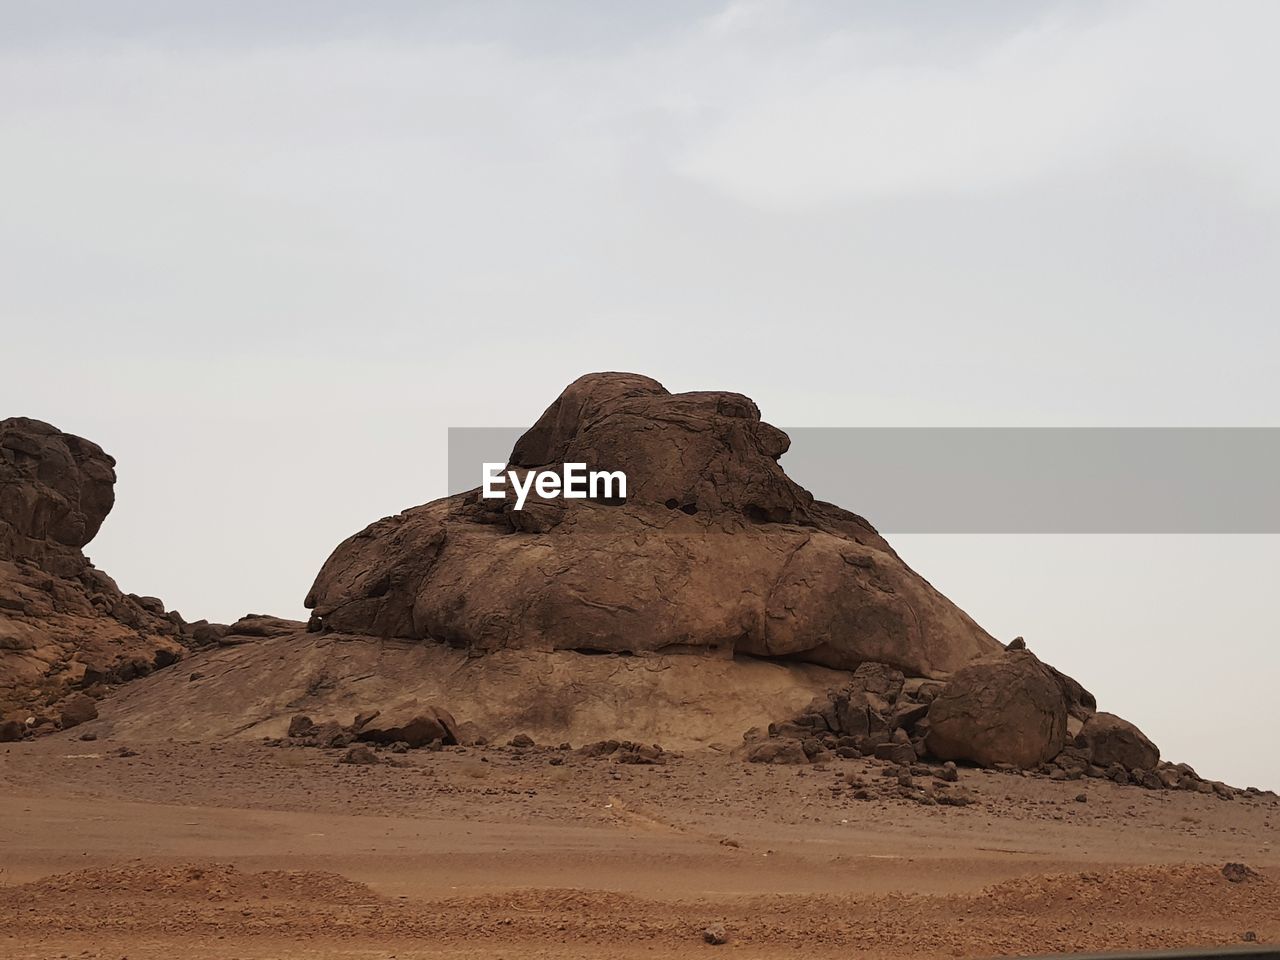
[265, 253]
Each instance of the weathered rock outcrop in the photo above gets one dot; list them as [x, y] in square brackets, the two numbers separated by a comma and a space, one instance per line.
[714, 550]
[64, 624]
[55, 491]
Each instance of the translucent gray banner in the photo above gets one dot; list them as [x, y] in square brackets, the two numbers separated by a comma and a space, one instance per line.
[1011, 480]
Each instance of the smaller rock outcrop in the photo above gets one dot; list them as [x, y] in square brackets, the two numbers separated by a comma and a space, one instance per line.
[410, 722]
[64, 625]
[1008, 712]
[301, 726]
[404, 726]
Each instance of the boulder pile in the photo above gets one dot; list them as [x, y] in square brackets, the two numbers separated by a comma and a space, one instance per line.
[412, 725]
[1007, 712]
[409, 723]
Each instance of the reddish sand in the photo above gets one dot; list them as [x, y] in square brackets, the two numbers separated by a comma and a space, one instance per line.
[242, 850]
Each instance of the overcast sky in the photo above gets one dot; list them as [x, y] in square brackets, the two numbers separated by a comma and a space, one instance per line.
[266, 253]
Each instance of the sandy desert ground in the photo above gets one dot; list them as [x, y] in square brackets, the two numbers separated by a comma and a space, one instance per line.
[242, 850]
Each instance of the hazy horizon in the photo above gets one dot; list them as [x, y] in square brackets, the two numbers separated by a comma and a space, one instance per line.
[265, 255]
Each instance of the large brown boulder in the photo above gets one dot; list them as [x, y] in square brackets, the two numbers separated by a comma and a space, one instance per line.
[1009, 708]
[1110, 739]
[63, 623]
[715, 549]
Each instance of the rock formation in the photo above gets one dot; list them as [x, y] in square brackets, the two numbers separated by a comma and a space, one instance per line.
[474, 605]
[64, 624]
[716, 550]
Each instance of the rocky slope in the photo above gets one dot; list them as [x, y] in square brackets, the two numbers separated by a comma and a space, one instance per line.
[67, 631]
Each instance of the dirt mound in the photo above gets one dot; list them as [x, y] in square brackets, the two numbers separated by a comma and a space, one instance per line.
[207, 882]
[1150, 892]
[1143, 908]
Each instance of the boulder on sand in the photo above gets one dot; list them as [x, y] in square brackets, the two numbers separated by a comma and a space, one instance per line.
[1110, 739]
[1009, 708]
[715, 549]
[411, 722]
